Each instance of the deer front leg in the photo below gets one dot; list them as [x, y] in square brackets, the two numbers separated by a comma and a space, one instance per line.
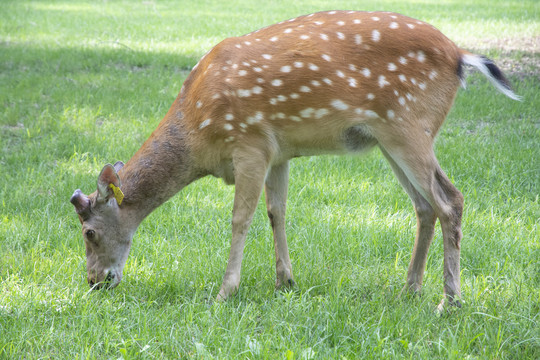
[276, 203]
[249, 173]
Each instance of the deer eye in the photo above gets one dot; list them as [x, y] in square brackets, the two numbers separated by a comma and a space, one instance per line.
[90, 234]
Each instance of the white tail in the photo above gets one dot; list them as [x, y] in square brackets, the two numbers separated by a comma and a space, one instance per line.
[331, 82]
[492, 72]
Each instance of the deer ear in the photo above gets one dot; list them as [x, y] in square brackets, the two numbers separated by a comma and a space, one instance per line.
[108, 184]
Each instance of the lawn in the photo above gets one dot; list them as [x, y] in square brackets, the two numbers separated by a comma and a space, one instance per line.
[84, 83]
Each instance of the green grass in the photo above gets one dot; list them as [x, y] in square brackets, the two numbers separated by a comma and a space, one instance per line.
[83, 83]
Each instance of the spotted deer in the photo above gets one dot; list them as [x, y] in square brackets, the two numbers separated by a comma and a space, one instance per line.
[338, 82]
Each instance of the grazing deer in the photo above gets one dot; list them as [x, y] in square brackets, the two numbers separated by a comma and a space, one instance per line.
[338, 82]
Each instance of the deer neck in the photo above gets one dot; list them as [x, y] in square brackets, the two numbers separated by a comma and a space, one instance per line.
[159, 169]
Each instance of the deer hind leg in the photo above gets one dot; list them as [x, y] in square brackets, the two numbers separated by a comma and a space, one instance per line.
[425, 229]
[250, 169]
[276, 203]
[421, 168]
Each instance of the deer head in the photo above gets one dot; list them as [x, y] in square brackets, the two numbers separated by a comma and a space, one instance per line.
[107, 244]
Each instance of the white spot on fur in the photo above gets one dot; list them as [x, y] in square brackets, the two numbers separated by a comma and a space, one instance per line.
[352, 82]
[341, 23]
[305, 89]
[243, 92]
[304, 37]
[257, 69]
[281, 98]
[315, 83]
[375, 35]
[366, 72]
[313, 67]
[433, 74]
[247, 43]
[267, 56]
[340, 73]
[287, 31]
[327, 81]
[198, 105]
[394, 25]
[371, 114]
[295, 118]
[298, 64]
[242, 72]
[422, 86]
[339, 105]
[321, 113]
[370, 96]
[258, 117]
[257, 90]
[411, 26]
[357, 21]
[260, 80]
[318, 22]
[326, 57]
[421, 56]
[401, 100]
[375, 18]
[402, 78]
[390, 114]
[285, 69]
[402, 60]
[205, 123]
[340, 35]
[229, 117]
[274, 39]
[228, 127]
[277, 82]
[392, 67]
[294, 96]
[307, 113]
[352, 67]
[324, 37]
[382, 81]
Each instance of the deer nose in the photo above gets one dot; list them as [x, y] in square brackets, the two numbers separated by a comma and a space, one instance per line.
[110, 276]
[105, 283]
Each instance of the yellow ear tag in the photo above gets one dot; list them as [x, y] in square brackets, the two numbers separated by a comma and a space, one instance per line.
[118, 194]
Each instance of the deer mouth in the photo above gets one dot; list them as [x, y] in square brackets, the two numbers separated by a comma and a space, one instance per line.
[108, 283]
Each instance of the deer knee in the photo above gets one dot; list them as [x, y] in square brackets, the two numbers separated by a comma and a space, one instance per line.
[425, 213]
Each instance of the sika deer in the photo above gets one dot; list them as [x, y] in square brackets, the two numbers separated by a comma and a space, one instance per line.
[330, 82]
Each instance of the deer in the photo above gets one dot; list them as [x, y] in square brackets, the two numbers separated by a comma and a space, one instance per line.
[335, 82]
